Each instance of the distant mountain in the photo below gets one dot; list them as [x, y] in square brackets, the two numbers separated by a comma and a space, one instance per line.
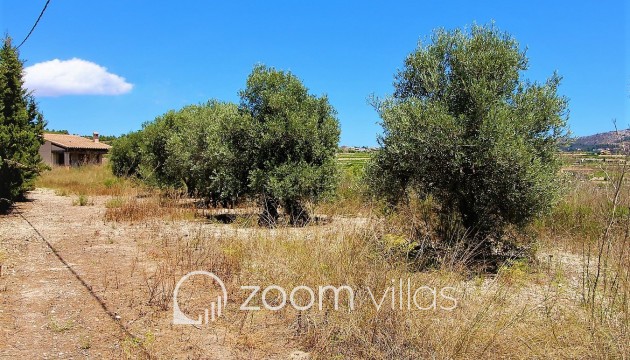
[608, 140]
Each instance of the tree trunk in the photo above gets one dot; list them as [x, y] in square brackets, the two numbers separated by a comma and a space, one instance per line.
[269, 215]
[298, 215]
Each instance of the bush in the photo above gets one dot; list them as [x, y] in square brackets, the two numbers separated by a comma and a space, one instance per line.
[82, 200]
[463, 127]
[208, 152]
[194, 149]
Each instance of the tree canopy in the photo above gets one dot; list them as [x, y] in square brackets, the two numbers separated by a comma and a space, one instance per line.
[463, 127]
[277, 146]
[296, 138]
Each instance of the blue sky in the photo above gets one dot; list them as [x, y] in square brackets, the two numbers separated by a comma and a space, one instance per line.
[163, 55]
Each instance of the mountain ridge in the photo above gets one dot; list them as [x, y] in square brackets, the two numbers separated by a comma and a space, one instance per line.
[610, 140]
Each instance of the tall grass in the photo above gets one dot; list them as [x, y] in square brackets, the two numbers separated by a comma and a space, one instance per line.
[349, 199]
[550, 308]
[86, 180]
[593, 221]
[130, 201]
[154, 205]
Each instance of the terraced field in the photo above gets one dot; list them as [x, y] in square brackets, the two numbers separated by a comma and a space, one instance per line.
[356, 159]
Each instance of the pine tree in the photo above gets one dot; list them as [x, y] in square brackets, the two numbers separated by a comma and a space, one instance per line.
[21, 127]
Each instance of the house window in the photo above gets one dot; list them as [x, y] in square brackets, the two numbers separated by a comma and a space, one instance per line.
[58, 158]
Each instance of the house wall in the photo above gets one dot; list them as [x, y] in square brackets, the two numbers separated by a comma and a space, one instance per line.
[45, 151]
[70, 157]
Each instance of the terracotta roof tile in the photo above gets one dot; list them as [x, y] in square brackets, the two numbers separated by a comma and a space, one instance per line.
[75, 142]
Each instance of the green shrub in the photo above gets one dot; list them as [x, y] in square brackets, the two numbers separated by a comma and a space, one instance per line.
[82, 200]
[115, 202]
[126, 154]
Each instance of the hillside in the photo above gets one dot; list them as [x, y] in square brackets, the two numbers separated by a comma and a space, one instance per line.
[608, 140]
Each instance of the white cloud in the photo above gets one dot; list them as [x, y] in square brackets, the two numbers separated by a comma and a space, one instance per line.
[73, 77]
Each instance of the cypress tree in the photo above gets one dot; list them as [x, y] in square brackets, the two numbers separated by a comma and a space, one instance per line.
[21, 127]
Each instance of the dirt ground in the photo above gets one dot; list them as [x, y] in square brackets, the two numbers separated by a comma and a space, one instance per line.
[74, 285]
[86, 298]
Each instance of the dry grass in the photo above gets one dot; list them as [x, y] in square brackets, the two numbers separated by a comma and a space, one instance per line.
[89, 180]
[593, 222]
[155, 206]
[349, 199]
[130, 200]
[526, 311]
[550, 308]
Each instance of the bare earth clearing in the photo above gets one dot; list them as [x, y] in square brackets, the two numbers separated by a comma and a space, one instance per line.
[46, 312]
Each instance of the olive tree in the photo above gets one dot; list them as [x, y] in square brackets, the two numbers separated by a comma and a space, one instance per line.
[143, 154]
[201, 149]
[277, 146]
[153, 167]
[126, 154]
[210, 154]
[463, 127]
[296, 138]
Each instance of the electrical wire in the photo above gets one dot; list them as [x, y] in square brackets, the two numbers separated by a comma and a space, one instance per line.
[34, 25]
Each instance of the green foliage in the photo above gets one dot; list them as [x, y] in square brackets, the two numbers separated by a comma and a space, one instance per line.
[209, 154]
[125, 155]
[354, 161]
[154, 138]
[82, 200]
[197, 149]
[398, 244]
[53, 131]
[21, 126]
[295, 144]
[279, 146]
[463, 127]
